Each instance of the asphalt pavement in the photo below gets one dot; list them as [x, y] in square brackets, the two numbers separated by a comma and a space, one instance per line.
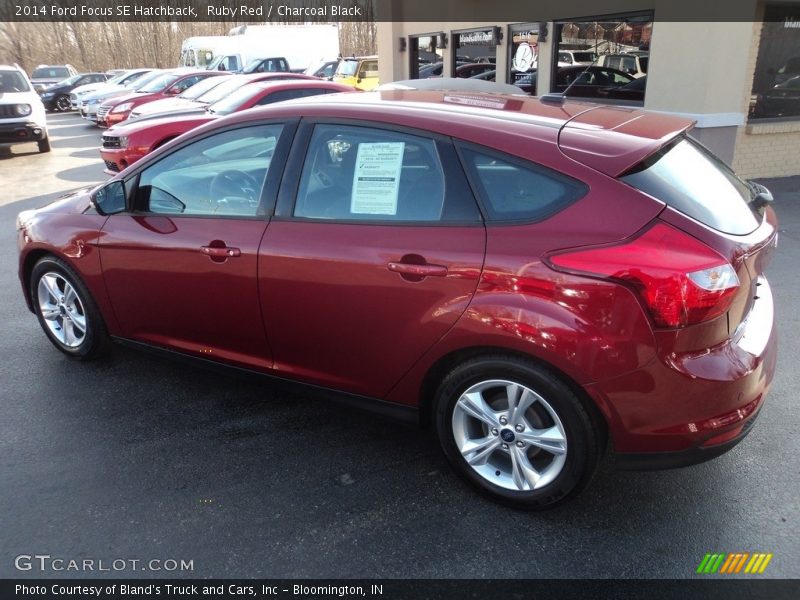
[137, 458]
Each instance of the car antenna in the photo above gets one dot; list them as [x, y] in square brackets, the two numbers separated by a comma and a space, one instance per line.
[560, 97]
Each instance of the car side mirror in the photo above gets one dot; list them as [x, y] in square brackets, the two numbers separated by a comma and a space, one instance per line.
[109, 199]
[173, 92]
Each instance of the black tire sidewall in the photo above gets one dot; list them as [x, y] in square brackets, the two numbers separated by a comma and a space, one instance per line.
[57, 103]
[93, 322]
[581, 438]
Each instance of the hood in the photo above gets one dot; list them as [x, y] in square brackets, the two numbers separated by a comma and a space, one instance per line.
[72, 203]
[171, 122]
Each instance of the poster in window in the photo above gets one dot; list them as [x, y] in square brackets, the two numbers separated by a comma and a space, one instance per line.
[376, 180]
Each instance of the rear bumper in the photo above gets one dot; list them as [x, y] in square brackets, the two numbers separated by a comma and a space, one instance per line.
[685, 409]
[653, 461]
[14, 133]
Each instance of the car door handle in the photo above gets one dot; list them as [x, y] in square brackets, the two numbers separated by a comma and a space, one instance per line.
[424, 270]
[220, 252]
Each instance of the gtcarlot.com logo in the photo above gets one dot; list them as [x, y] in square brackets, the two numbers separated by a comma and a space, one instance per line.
[736, 562]
[46, 562]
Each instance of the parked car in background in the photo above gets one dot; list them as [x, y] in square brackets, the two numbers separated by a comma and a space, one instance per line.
[119, 81]
[57, 96]
[592, 82]
[437, 256]
[790, 69]
[471, 69]
[22, 114]
[361, 72]
[187, 99]
[783, 100]
[91, 102]
[126, 143]
[634, 65]
[226, 86]
[574, 58]
[276, 64]
[323, 69]
[45, 75]
[586, 82]
[632, 92]
[166, 85]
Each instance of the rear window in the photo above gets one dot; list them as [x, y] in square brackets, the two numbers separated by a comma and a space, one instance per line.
[692, 180]
[516, 190]
[50, 72]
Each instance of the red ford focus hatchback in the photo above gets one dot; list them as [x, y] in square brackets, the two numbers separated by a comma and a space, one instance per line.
[539, 281]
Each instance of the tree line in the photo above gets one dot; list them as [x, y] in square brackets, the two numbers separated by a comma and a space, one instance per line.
[99, 46]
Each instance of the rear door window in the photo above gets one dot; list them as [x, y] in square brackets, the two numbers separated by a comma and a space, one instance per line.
[692, 180]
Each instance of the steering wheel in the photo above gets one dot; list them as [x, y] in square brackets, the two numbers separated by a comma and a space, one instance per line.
[234, 188]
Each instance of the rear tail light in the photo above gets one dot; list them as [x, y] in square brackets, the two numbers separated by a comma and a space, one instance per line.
[681, 280]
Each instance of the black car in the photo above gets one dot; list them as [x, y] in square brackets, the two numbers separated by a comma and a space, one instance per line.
[633, 91]
[56, 96]
[783, 100]
[586, 82]
[275, 64]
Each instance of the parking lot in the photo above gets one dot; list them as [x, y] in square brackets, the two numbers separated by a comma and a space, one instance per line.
[137, 458]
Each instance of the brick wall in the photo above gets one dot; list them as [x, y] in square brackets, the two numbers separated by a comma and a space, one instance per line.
[767, 149]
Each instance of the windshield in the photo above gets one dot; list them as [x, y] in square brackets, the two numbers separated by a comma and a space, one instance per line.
[159, 83]
[50, 73]
[347, 68]
[200, 88]
[70, 80]
[118, 77]
[692, 180]
[584, 56]
[12, 81]
[222, 90]
[143, 80]
[235, 100]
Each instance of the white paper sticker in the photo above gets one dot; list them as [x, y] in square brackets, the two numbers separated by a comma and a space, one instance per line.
[376, 180]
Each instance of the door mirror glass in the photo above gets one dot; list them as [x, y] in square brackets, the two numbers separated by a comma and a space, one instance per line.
[109, 199]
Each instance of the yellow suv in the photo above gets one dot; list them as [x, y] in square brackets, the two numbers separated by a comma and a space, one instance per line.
[361, 72]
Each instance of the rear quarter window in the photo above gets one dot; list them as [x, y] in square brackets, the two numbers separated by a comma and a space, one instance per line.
[689, 178]
[512, 189]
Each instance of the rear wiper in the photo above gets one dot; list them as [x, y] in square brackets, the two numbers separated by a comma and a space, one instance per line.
[761, 196]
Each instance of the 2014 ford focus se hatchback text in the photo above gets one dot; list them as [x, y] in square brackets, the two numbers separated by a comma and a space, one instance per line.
[538, 281]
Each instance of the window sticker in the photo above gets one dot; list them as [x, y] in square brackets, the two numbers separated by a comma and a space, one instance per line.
[376, 180]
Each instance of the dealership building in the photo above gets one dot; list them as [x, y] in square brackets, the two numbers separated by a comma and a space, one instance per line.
[721, 71]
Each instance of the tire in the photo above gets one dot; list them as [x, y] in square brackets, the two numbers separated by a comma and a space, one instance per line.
[534, 457]
[44, 145]
[66, 310]
[63, 104]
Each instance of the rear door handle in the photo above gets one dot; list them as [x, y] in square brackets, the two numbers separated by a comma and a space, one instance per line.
[418, 270]
[220, 252]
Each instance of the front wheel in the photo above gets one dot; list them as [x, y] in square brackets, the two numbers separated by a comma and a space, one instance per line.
[44, 145]
[66, 311]
[63, 103]
[516, 431]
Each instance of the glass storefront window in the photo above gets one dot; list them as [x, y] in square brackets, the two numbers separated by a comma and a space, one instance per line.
[523, 57]
[425, 56]
[604, 58]
[776, 81]
[473, 47]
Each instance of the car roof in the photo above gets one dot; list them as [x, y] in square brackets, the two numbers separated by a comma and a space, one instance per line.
[610, 139]
[298, 83]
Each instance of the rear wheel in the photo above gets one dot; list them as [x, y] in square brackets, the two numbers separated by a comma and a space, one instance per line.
[66, 310]
[516, 431]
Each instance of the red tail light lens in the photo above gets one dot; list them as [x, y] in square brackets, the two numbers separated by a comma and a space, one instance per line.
[681, 280]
